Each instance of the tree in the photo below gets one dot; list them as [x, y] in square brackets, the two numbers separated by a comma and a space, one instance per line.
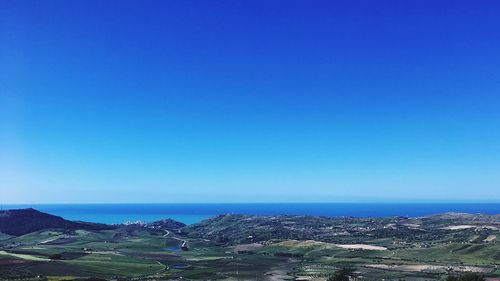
[342, 275]
[471, 277]
[55, 257]
[466, 277]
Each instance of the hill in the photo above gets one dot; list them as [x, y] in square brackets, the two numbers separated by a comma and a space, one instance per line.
[24, 221]
[168, 224]
[164, 224]
[235, 229]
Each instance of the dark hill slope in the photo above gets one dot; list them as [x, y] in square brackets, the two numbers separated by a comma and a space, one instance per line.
[23, 221]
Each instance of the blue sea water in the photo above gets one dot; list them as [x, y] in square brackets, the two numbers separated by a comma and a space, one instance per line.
[192, 213]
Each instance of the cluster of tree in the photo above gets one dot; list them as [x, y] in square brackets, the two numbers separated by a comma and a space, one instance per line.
[342, 274]
[55, 257]
[465, 277]
[346, 273]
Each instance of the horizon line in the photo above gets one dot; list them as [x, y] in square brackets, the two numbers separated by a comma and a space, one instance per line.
[258, 203]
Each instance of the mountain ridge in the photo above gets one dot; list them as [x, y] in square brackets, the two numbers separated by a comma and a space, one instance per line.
[23, 221]
[17, 222]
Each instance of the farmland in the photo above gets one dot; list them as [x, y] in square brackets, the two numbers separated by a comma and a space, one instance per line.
[238, 247]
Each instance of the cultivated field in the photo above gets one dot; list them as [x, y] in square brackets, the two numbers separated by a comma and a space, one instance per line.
[236, 247]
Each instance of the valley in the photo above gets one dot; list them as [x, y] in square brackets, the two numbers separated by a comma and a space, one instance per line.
[243, 247]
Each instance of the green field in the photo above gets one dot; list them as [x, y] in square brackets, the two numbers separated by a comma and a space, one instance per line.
[256, 248]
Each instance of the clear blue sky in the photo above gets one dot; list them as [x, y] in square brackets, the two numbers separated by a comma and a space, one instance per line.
[249, 101]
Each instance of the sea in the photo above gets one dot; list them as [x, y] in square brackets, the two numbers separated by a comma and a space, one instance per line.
[193, 213]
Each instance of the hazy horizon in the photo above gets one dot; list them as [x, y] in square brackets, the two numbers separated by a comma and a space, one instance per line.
[195, 212]
[438, 202]
[258, 101]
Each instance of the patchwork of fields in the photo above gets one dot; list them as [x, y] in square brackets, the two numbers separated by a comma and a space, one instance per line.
[236, 247]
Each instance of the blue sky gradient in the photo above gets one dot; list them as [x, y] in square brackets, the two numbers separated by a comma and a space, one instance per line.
[249, 101]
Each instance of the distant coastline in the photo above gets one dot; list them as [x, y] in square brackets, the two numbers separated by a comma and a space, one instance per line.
[195, 212]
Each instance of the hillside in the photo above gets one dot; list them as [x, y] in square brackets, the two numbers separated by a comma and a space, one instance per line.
[24, 221]
[246, 247]
[234, 229]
